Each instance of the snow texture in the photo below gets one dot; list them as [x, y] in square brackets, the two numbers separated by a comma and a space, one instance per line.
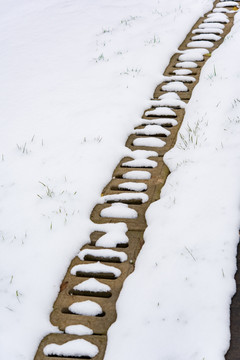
[163, 111]
[123, 197]
[77, 348]
[86, 308]
[92, 285]
[207, 30]
[112, 239]
[212, 37]
[182, 72]
[149, 141]
[137, 175]
[103, 253]
[119, 210]
[78, 330]
[182, 78]
[174, 103]
[153, 129]
[95, 268]
[200, 44]
[133, 186]
[175, 86]
[210, 24]
[140, 163]
[186, 64]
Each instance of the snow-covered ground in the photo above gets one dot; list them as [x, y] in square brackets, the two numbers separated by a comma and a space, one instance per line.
[75, 77]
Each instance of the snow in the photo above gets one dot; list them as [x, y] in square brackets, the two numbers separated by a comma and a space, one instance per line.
[187, 64]
[175, 86]
[207, 30]
[200, 44]
[123, 197]
[142, 154]
[103, 253]
[209, 24]
[112, 239]
[174, 103]
[140, 163]
[182, 72]
[86, 308]
[92, 285]
[137, 175]
[119, 210]
[149, 141]
[160, 121]
[153, 129]
[227, 4]
[77, 348]
[133, 186]
[182, 78]
[208, 36]
[164, 111]
[221, 18]
[95, 268]
[78, 330]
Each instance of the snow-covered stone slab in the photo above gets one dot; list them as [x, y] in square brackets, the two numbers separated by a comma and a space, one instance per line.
[200, 44]
[207, 30]
[227, 4]
[78, 330]
[140, 163]
[212, 37]
[161, 121]
[133, 186]
[182, 72]
[119, 210]
[175, 86]
[142, 154]
[112, 239]
[86, 308]
[163, 111]
[149, 141]
[217, 18]
[137, 175]
[104, 254]
[123, 197]
[183, 78]
[73, 348]
[92, 285]
[96, 268]
[152, 129]
[211, 25]
[187, 64]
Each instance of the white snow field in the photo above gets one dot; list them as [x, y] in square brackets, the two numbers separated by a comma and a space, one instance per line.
[75, 76]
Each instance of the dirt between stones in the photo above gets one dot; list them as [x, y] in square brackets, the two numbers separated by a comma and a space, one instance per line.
[110, 277]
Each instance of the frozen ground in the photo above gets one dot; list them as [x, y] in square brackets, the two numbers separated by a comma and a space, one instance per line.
[75, 79]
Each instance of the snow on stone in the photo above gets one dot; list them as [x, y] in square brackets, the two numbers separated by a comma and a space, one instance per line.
[78, 330]
[160, 121]
[212, 37]
[112, 239]
[183, 78]
[200, 44]
[209, 24]
[95, 268]
[171, 95]
[182, 72]
[92, 285]
[119, 210]
[223, 10]
[163, 111]
[116, 228]
[207, 30]
[187, 64]
[73, 348]
[123, 197]
[152, 129]
[227, 4]
[174, 103]
[149, 141]
[212, 18]
[142, 154]
[133, 186]
[103, 253]
[140, 163]
[137, 175]
[86, 308]
[175, 86]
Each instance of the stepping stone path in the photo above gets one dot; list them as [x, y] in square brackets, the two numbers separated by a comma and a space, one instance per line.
[86, 304]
